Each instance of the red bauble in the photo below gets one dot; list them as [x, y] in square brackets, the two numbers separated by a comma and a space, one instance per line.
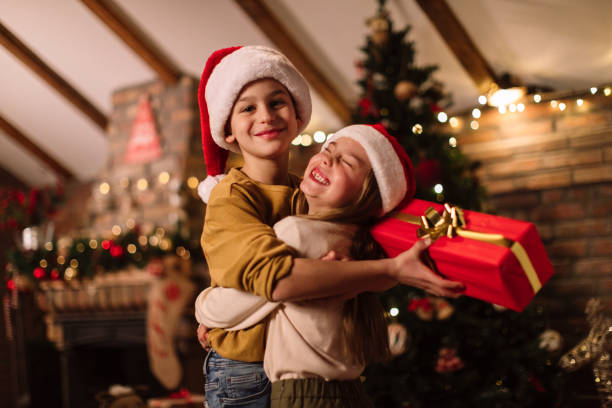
[428, 172]
[39, 273]
[116, 251]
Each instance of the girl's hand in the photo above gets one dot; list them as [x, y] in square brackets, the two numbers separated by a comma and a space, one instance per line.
[410, 270]
[203, 336]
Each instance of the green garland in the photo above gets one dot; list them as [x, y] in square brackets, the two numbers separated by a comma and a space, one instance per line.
[85, 257]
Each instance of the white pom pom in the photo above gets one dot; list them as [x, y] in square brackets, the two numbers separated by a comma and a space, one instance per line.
[206, 186]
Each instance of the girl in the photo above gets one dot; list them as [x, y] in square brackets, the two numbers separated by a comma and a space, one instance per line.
[316, 349]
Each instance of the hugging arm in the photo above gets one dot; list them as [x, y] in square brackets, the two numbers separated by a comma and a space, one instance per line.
[310, 278]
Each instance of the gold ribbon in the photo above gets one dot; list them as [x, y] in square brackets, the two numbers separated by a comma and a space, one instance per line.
[451, 223]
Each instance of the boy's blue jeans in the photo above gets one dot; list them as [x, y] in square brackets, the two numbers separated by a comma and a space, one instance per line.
[231, 383]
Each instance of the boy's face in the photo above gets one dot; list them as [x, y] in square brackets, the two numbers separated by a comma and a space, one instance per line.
[334, 177]
[263, 120]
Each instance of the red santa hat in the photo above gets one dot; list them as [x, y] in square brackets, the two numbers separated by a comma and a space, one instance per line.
[227, 71]
[390, 163]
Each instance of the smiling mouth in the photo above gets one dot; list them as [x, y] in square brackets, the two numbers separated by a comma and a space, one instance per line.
[319, 177]
[269, 133]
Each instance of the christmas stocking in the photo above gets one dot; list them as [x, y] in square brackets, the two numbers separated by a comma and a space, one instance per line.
[167, 300]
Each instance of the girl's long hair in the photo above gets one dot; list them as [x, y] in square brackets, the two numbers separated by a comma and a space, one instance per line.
[364, 325]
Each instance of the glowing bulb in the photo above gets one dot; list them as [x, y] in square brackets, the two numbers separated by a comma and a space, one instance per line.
[319, 136]
[192, 182]
[502, 109]
[394, 311]
[476, 113]
[329, 135]
[579, 102]
[607, 91]
[482, 99]
[74, 263]
[43, 263]
[442, 117]
[474, 124]
[164, 177]
[554, 103]
[142, 184]
[417, 129]
[454, 122]
[93, 244]
[593, 90]
[438, 189]
[452, 141]
[306, 140]
[537, 98]
[562, 106]
[131, 248]
[116, 230]
[297, 141]
[130, 223]
[520, 107]
[104, 188]
[512, 107]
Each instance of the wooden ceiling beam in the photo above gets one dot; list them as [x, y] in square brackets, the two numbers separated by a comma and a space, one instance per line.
[127, 30]
[31, 147]
[458, 40]
[32, 61]
[259, 13]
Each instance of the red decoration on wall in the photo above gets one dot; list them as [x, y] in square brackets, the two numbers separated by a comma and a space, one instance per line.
[143, 145]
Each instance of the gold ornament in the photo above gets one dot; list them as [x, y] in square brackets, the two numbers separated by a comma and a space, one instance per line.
[595, 348]
[404, 90]
[379, 28]
[398, 338]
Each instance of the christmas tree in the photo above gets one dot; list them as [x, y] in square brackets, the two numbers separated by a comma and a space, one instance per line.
[447, 353]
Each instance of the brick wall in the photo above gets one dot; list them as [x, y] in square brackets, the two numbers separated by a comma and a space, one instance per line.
[554, 168]
[176, 116]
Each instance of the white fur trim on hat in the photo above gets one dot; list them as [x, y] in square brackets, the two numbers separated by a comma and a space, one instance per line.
[245, 65]
[387, 167]
[206, 186]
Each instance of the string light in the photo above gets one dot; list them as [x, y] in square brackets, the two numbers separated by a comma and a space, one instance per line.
[164, 177]
[93, 244]
[474, 124]
[116, 230]
[131, 248]
[142, 184]
[319, 136]
[579, 102]
[49, 246]
[482, 100]
[454, 122]
[520, 107]
[192, 182]
[452, 141]
[329, 135]
[502, 109]
[442, 117]
[562, 106]
[607, 91]
[394, 311]
[512, 107]
[417, 129]
[438, 189]
[553, 103]
[537, 98]
[306, 140]
[297, 141]
[476, 113]
[104, 188]
[593, 90]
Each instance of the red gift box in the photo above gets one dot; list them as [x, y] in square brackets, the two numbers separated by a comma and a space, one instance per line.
[498, 259]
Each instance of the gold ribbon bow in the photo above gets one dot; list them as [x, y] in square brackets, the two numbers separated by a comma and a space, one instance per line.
[451, 223]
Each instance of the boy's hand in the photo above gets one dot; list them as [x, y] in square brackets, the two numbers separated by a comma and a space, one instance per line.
[410, 270]
[333, 256]
[203, 336]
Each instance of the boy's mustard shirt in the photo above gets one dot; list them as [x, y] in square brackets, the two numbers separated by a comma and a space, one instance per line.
[242, 250]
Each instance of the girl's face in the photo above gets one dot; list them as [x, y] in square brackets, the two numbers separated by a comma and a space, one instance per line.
[335, 176]
[263, 120]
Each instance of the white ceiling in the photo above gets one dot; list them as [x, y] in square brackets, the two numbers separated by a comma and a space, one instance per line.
[561, 43]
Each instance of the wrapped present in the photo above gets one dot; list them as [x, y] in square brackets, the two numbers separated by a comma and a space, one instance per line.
[498, 259]
[179, 399]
